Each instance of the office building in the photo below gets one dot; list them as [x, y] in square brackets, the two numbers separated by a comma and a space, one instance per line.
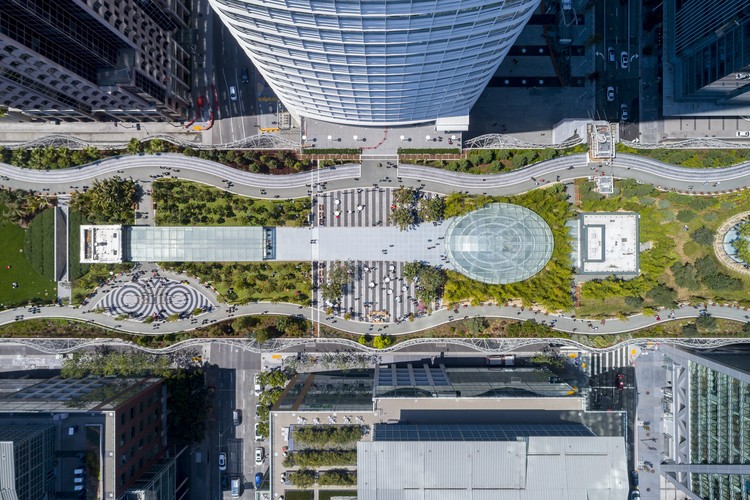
[708, 422]
[27, 461]
[92, 60]
[433, 430]
[707, 49]
[114, 428]
[377, 63]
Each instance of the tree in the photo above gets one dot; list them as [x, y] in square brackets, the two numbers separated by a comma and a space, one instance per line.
[244, 323]
[430, 280]
[703, 236]
[109, 201]
[706, 323]
[382, 341]
[476, 326]
[662, 296]
[431, 209]
[403, 217]
[339, 276]
[404, 196]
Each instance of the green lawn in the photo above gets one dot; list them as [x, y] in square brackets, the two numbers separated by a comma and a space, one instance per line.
[299, 495]
[39, 243]
[32, 286]
[182, 203]
[74, 255]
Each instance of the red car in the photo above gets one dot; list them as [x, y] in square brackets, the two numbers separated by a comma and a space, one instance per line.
[620, 383]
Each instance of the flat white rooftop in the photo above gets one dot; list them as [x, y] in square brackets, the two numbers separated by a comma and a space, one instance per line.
[608, 243]
[101, 244]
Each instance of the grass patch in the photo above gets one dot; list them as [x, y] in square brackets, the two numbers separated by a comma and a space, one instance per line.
[298, 495]
[493, 161]
[687, 242]
[551, 286]
[39, 243]
[32, 286]
[76, 269]
[182, 203]
[692, 158]
[240, 283]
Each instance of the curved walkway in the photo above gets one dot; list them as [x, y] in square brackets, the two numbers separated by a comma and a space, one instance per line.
[144, 168]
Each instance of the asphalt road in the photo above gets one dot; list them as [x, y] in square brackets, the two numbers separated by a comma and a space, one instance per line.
[145, 167]
[618, 28]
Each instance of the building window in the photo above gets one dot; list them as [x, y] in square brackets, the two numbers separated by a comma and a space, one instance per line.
[122, 418]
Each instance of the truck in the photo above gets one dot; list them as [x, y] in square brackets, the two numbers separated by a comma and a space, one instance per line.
[500, 360]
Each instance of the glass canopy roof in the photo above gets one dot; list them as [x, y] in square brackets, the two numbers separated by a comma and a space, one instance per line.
[499, 244]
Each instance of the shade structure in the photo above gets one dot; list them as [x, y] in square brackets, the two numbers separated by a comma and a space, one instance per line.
[499, 244]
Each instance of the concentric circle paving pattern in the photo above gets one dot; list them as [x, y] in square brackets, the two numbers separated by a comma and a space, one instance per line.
[140, 299]
[499, 244]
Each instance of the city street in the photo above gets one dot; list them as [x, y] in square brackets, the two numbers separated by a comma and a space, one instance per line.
[618, 28]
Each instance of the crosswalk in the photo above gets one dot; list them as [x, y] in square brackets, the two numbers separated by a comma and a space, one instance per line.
[602, 362]
[355, 207]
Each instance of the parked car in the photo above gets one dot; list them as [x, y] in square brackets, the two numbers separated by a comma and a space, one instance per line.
[624, 112]
[634, 478]
[235, 487]
[233, 92]
[259, 454]
[743, 133]
[222, 461]
[283, 477]
[611, 53]
[258, 437]
[635, 495]
[624, 59]
[245, 76]
[258, 480]
[610, 94]
[620, 382]
[237, 417]
[257, 386]
[224, 482]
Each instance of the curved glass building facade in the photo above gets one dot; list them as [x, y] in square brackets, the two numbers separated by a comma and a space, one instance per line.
[499, 244]
[384, 62]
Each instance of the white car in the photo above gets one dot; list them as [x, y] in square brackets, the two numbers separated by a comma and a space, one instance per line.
[256, 383]
[259, 454]
[222, 461]
[743, 133]
[233, 92]
[624, 112]
[610, 94]
[258, 437]
[624, 60]
[611, 54]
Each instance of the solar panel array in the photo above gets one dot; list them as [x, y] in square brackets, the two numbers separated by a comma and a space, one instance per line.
[474, 432]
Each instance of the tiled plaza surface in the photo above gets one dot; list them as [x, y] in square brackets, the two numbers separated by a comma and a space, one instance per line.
[378, 292]
[153, 297]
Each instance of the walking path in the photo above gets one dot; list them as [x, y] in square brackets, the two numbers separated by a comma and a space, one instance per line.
[145, 168]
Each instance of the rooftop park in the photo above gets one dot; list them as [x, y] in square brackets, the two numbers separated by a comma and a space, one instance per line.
[188, 203]
[678, 263]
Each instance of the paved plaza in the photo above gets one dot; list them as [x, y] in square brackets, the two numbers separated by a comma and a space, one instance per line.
[153, 297]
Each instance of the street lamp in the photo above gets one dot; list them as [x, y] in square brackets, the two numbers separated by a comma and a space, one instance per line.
[355, 138]
[402, 138]
[330, 137]
[427, 138]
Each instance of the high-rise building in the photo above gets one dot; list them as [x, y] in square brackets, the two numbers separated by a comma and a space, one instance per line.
[708, 46]
[27, 461]
[114, 428]
[708, 422]
[376, 63]
[89, 60]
